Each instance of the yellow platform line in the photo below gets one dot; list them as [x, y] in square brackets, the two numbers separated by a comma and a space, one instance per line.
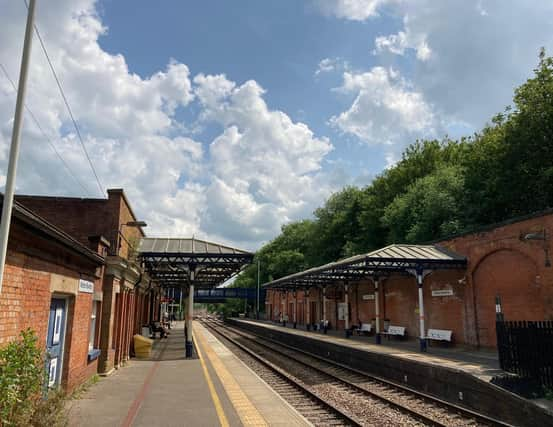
[214, 396]
[248, 413]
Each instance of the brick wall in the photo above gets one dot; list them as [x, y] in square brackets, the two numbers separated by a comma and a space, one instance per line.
[31, 262]
[500, 262]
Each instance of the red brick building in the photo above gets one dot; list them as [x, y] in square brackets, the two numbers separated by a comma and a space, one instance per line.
[52, 284]
[129, 298]
[510, 260]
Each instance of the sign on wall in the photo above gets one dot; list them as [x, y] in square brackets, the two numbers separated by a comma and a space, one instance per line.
[342, 307]
[368, 297]
[86, 286]
[442, 293]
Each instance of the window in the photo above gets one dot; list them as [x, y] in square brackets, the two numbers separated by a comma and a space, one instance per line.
[92, 333]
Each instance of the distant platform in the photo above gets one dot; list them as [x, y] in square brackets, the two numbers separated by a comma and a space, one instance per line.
[456, 374]
[483, 364]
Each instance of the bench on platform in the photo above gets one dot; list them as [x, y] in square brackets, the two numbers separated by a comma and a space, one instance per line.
[440, 335]
[398, 331]
[366, 328]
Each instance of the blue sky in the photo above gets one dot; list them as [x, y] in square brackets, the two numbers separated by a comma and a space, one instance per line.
[277, 44]
[227, 120]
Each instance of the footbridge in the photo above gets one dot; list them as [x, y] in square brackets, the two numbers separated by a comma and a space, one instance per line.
[215, 295]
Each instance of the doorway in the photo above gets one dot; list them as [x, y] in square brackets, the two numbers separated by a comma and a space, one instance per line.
[55, 340]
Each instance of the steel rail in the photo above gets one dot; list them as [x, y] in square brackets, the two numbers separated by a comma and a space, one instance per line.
[458, 410]
[284, 376]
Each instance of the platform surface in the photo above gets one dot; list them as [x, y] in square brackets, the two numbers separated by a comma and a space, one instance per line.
[480, 363]
[214, 389]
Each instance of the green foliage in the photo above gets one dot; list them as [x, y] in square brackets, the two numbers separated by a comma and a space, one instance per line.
[22, 376]
[437, 189]
[429, 208]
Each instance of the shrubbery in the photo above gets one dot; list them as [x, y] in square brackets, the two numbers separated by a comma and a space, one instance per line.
[22, 386]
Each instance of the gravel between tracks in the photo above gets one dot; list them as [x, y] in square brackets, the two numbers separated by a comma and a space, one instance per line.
[365, 410]
[355, 402]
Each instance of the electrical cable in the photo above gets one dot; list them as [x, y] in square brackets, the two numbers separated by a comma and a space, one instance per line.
[33, 117]
[68, 107]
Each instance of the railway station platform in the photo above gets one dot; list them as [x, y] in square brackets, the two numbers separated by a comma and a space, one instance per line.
[483, 364]
[457, 375]
[213, 388]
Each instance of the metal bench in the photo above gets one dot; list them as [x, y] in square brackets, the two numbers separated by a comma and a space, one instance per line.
[365, 328]
[398, 331]
[440, 335]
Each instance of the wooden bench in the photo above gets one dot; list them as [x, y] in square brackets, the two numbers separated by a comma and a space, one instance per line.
[440, 335]
[398, 331]
[365, 328]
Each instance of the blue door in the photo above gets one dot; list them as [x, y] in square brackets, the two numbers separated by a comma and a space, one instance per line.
[54, 344]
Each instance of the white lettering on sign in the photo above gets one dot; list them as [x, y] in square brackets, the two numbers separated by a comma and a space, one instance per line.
[442, 293]
[86, 286]
[368, 296]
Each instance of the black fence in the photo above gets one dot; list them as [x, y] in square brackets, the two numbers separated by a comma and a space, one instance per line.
[526, 348]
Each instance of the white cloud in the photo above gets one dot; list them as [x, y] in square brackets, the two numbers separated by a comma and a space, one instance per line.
[267, 167]
[471, 55]
[385, 109]
[398, 43]
[261, 171]
[355, 10]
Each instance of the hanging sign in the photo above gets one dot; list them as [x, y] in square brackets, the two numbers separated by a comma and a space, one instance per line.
[442, 293]
[86, 286]
[368, 297]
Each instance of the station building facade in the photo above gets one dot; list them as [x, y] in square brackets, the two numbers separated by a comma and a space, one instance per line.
[509, 260]
[129, 299]
[71, 276]
[53, 285]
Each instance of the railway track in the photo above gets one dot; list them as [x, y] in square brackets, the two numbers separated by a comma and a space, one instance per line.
[368, 400]
[307, 403]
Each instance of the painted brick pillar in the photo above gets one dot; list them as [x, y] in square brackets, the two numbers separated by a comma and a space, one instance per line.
[108, 326]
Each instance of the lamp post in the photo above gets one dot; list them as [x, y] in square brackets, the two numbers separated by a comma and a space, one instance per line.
[9, 189]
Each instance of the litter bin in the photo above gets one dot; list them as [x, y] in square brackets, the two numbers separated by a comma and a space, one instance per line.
[142, 346]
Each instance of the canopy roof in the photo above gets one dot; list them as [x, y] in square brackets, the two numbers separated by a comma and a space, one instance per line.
[180, 262]
[393, 259]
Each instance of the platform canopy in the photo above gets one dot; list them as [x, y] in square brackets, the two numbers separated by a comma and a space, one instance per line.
[393, 259]
[180, 262]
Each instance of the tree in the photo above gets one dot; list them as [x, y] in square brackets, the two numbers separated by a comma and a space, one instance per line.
[428, 210]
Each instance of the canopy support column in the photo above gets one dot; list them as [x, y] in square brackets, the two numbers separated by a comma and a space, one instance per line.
[378, 338]
[307, 309]
[346, 311]
[421, 313]
[295, 308]
[325, 325]
[189, 317]
[420, 274]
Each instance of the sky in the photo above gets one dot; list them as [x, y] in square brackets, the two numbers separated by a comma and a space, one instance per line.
[225, 120]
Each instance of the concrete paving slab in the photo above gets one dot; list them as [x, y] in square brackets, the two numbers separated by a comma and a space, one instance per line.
[168, 390]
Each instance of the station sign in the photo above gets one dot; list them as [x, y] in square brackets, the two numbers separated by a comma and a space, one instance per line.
[367, 297]
[442, 293]
[86, 286]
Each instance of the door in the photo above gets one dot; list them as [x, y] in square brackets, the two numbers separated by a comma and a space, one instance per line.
[54, 344]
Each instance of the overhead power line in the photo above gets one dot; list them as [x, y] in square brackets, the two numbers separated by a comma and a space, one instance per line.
[78, 132]
[35, 120]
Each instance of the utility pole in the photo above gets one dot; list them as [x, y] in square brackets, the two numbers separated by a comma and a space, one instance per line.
[257, 306]
[7, 204]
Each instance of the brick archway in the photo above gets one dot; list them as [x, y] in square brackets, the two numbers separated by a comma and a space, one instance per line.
[512, 275]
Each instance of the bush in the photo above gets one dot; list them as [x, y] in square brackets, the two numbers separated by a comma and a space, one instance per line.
[22, 378]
